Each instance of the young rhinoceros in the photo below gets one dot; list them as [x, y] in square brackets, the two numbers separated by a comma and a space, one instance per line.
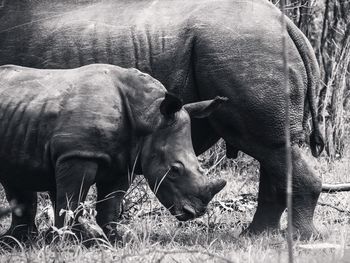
[63, 130]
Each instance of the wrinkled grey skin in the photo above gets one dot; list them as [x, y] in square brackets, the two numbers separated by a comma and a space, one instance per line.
[64, 130]
[198, 49]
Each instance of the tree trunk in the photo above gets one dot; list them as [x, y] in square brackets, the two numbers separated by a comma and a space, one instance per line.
[327, 25]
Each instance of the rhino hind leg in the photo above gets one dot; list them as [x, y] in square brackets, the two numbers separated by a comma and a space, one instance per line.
[23, 226]
[306, 191]
[272, 195]
[73, 179]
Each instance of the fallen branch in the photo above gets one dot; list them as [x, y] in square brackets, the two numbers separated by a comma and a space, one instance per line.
[332, 188]
[334, 207]
[155, 212]
[174, 252]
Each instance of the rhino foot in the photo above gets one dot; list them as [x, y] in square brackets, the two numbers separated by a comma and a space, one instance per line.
[113, 233]
[18, 236]
[67, 233]
[252, 231]
[298, 234]
[305, 233]
[304, 236]
[85, 233]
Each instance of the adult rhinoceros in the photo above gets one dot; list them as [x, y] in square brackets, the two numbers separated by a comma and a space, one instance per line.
[64, 130]
[198, 50]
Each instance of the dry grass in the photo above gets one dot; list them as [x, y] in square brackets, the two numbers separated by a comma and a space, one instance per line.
[151, 234]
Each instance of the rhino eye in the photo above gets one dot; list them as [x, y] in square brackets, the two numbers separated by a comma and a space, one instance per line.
[176, 169]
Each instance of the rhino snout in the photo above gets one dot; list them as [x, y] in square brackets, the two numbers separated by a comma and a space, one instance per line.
[198, 205]
[189, 211]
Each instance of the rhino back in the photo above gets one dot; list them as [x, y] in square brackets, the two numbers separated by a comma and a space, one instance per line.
[149, 35]
[198, 49]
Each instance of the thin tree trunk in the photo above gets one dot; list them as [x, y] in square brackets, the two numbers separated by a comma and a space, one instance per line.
[327, 25]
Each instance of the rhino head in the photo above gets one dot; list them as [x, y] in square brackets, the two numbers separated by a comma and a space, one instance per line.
[170, 164]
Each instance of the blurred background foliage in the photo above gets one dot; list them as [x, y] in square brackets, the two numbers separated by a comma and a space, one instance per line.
[327, 25]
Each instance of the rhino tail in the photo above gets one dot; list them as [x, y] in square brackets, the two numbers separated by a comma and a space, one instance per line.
[313, 76]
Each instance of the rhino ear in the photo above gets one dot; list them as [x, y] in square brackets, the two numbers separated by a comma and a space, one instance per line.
[170, 104]
[204, 108]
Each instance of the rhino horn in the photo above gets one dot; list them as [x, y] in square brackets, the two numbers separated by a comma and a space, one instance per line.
[217, 186]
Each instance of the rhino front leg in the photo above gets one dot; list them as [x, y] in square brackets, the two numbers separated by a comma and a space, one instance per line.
[23, 222]
[271, 203]
[109, 205]
[74, 177]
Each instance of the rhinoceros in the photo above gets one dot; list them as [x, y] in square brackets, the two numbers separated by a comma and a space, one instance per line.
[64, 130]
[198, 50]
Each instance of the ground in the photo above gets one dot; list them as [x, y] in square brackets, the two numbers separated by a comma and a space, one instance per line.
[151, 234]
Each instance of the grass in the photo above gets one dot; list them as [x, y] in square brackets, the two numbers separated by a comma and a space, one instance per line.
[151, 234]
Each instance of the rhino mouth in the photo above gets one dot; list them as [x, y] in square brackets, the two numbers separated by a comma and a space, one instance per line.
[188, 212]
